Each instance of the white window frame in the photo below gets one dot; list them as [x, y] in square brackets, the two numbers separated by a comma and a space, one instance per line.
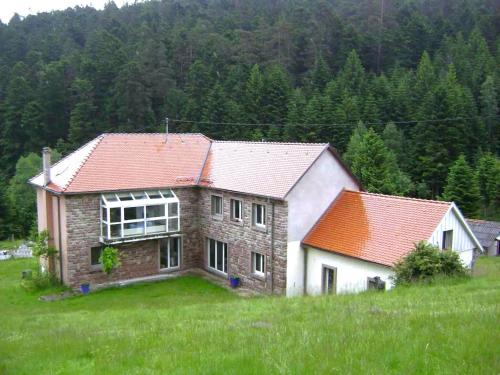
[258, 261]
[232, 203]
[214, 214]
[255, 208]
[136, 199]
[224, 256]
[169, 241]
[324, 280]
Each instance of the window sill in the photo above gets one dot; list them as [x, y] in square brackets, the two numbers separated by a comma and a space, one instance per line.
[237, 222]
[259, 228]
[216, 272]
[217, 217]
[96, 269]
[168, 270]
[261, 277]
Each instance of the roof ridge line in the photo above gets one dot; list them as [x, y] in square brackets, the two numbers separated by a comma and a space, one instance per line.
[400, 197]
[100, 138]
[153, 133]
[273, 142]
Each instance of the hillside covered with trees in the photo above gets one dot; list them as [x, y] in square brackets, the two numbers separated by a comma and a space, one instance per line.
[407, 91]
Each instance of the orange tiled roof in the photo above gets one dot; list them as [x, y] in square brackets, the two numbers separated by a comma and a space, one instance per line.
[113, 162]
[374, 227]
[131, 161]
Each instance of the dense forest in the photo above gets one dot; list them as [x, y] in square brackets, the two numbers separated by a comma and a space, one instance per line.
[407, 91]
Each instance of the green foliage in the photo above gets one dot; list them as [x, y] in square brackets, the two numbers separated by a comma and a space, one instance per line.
[292, 64]
[426, 263]
[21, 197]
[374, 164]
[488, 172]
[40, 281]
[41, 246]
[462, 187]
[109, 259]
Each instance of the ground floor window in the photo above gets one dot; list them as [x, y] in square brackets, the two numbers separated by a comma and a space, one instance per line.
[329, 280]
[170, 251]
[217, 255]
[95, 256]
[258, 264]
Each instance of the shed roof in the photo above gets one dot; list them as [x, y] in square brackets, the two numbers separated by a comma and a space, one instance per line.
[374, 227]
[485, 231]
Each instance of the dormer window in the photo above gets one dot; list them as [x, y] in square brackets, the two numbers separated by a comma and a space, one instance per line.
[129, 215]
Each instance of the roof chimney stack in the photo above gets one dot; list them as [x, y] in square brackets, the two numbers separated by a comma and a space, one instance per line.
[46, 165]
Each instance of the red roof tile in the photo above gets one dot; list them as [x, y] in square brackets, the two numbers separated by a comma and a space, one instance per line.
[140, 161]
[132, 161]
[374, 227]
[261, 168]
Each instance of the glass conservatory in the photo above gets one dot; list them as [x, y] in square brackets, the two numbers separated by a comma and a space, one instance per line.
[129, 216]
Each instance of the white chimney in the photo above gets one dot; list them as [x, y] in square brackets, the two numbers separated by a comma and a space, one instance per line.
[46, 165]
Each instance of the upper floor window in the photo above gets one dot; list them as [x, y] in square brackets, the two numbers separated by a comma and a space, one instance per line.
[141, 213]
[259, 215]
[236, 210]
[216, 206]
[447, 240]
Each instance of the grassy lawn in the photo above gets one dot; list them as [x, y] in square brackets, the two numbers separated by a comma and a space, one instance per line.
[187, 325]
[10, 244]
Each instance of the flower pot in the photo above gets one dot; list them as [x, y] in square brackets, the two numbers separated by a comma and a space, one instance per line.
[235, 281]
[85, 288]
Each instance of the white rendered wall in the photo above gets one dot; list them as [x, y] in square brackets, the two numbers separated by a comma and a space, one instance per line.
[463, 243]
[295, 269]
[352, 273]
[307, 201]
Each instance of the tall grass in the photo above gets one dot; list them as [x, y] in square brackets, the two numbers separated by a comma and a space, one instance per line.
[187, 325]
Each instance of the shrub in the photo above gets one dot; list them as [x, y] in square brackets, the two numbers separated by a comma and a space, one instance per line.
[425, 263]
[110, 259]
[40, 281]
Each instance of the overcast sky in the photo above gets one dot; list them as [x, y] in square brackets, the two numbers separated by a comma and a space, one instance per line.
[26, 7]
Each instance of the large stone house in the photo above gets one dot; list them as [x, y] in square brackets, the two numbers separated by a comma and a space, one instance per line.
[184, 201]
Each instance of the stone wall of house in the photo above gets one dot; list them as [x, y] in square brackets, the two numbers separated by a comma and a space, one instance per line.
[243, 238]
[138, 259]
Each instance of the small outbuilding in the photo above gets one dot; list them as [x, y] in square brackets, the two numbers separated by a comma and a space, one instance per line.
[488, 234]
[357, 241]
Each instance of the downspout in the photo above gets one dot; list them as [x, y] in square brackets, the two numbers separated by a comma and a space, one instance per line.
[60, 238]
[272, 248]
[305, 270]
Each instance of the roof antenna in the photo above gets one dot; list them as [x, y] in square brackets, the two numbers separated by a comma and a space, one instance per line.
[166, 129]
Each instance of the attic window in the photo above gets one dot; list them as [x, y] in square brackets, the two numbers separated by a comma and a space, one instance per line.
[136, 214]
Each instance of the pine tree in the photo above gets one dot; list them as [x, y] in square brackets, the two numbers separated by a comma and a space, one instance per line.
[82, 125]
[294, 129]
[320, 74]
[276, 95]
[488, 172]
[354, 145]
[489, 113]
[462, 187]
[254, 92]
[352, 76]
[425, 77]
[376, 166]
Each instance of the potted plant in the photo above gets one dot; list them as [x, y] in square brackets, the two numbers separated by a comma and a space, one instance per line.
[234, 280]
[85, 287]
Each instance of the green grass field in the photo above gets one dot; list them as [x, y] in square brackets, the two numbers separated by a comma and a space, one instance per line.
[10, 244]
[187, 325]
